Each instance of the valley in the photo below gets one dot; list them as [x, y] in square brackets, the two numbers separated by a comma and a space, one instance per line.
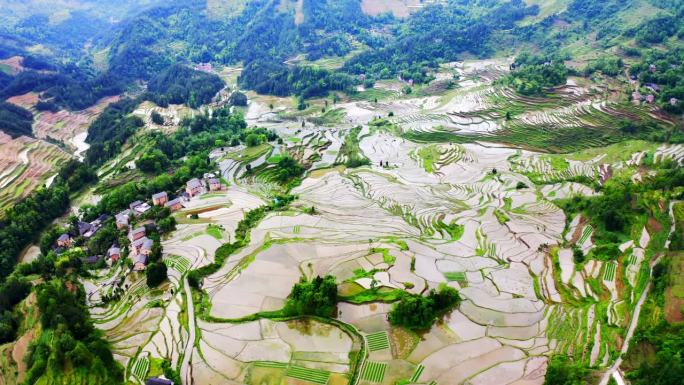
[347, 192]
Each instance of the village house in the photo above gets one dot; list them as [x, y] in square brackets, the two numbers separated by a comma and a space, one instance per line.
[64, 240]
[652, 68]
[650, 99]
[204, 67]
[636, 97]
[652, 87]
[214, 184]
[174, 204]
[194, 187]
[674, 102]
[159, 199]
[136, 234]
[122, 219]
[142, 246]
[114, 253]
[140, 263]
[139, 207]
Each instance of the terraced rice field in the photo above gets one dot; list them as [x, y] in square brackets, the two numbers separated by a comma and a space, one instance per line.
[463, 210]
[25, 164]
[140, 368]
[378, 341]
[374, 371]
[610, 272]
[309, 375]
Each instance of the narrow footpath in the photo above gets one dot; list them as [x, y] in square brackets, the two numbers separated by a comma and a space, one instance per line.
[186, 369]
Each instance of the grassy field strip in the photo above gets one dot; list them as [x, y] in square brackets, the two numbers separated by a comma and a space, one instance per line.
[417, 373]
[585, 234]
[312, 375]
[378, 341]
[141, 367]
[455, 276]
[610, 271]
[632, 259]
[269, 364]
[374, 371]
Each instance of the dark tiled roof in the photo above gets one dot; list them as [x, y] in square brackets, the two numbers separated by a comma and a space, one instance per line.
[172, 202]
[158, 381]
[194, 183]
[159, 195]
[84, 227]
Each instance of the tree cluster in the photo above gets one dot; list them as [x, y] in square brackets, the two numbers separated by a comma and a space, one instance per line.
[419, 312]
[315, 297]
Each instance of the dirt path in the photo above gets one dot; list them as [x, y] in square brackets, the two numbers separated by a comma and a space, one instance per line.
[186, 370]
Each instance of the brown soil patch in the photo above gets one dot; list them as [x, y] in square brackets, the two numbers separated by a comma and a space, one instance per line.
[578, 230]
[26, 100]
[338, 379]
[19, 353]
[15, 63]
[674, 307]
[402, 342]
[674, 295]
[653, 226]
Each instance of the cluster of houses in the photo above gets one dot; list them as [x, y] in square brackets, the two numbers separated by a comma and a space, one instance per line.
[141, 246]
[204, 67]
[654, 89]
[85, 230]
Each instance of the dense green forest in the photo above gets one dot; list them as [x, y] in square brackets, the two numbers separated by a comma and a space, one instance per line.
[15, 120]
[182, 85]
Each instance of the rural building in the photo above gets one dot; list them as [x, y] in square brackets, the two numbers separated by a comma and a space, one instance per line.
[674, 102]
[142, 208]
[652, 87]
[204, 67]
[636, 97]
[194, 187]
[122, 219]
[84, 227]
[159, 199]
[140, 263]
[114, 253]
[100, 220]
[214, 184]
[64, 240]
[650, 99]
[135, 204]
[174, 204]
[136, 234]
[142, 246]
[652, 68]
[158, 381]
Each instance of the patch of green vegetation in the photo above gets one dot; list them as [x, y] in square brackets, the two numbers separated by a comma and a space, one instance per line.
[382, 294]
[215, 231]
[417, 312]
[330, 117]
[4, 68]
[350, 150]
[428, 155]
[501, 216]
